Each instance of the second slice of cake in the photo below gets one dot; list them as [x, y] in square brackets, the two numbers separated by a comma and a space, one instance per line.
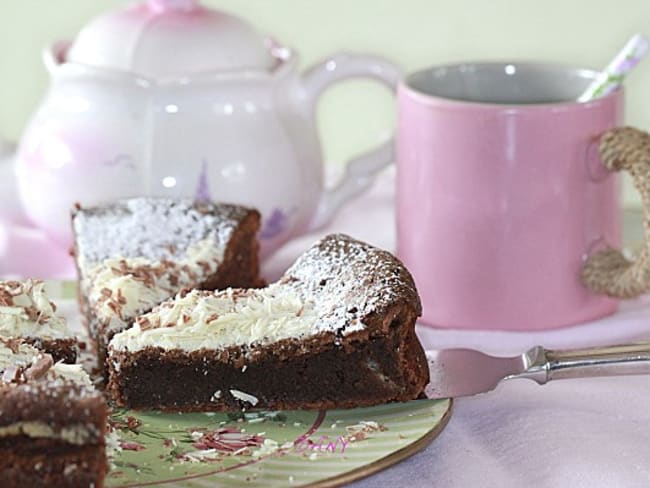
[134, 254]
[336, 331]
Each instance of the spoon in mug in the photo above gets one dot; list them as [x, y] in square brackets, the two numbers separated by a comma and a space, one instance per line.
[613, 75]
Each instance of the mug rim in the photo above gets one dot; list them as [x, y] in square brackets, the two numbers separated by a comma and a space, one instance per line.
[405, 86]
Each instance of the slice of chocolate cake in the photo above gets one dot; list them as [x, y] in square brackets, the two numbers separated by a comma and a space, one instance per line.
[52, 421]
[27, 312]
[134, 254]
[336, 331]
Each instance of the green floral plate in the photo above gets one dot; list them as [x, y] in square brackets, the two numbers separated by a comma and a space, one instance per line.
[268, 449]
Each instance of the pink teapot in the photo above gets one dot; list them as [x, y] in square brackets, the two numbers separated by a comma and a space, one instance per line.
[170, 98]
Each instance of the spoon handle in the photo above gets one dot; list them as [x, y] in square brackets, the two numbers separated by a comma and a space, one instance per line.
[614, 74]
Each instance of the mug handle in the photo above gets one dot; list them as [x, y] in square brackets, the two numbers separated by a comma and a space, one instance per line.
[361, 170]
[609, 272]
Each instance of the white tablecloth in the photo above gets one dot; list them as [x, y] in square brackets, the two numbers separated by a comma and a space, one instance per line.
[578, 433]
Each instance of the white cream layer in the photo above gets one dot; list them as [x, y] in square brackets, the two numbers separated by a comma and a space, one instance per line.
[218, 320]
[77, 434]
[71, 372]
[16, 322]
[138, 295]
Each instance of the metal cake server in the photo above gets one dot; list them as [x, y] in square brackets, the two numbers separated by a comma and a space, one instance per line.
[462, 372]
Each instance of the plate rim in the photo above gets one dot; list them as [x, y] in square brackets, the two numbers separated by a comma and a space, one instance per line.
[365, 470]
[389, 460]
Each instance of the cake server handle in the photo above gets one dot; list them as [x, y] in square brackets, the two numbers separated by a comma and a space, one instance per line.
[545, 365]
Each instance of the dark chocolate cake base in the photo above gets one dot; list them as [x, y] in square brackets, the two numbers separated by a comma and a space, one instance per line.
[34, 463]
[318, 373]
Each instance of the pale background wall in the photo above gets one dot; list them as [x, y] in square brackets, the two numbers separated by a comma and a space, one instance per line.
[415, 33]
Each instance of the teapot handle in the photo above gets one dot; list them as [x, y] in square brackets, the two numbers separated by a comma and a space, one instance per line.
[361, 170]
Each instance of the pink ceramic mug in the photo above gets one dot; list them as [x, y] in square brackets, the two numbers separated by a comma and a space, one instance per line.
[502, 194]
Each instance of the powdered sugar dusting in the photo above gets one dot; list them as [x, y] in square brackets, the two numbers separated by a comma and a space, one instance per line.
[153, 228]
[349, 280]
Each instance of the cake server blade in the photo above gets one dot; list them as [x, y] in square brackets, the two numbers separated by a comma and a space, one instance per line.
[462, 372]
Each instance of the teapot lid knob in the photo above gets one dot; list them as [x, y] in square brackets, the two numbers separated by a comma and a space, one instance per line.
[138, 38]
[167, 5]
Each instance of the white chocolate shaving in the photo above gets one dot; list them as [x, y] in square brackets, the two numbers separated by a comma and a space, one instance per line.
[216, 320]
[244, 397]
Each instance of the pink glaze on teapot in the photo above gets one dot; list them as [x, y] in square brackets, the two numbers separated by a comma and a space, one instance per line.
[166, 5]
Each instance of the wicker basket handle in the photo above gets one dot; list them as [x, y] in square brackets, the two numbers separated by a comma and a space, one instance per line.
[609, 272]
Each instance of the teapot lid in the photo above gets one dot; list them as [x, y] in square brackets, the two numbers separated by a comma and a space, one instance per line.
[168, 38]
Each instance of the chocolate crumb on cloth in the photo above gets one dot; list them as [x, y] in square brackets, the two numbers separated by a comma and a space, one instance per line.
[52, 421]
[27, 312]
[336, 331]
[134, 254]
